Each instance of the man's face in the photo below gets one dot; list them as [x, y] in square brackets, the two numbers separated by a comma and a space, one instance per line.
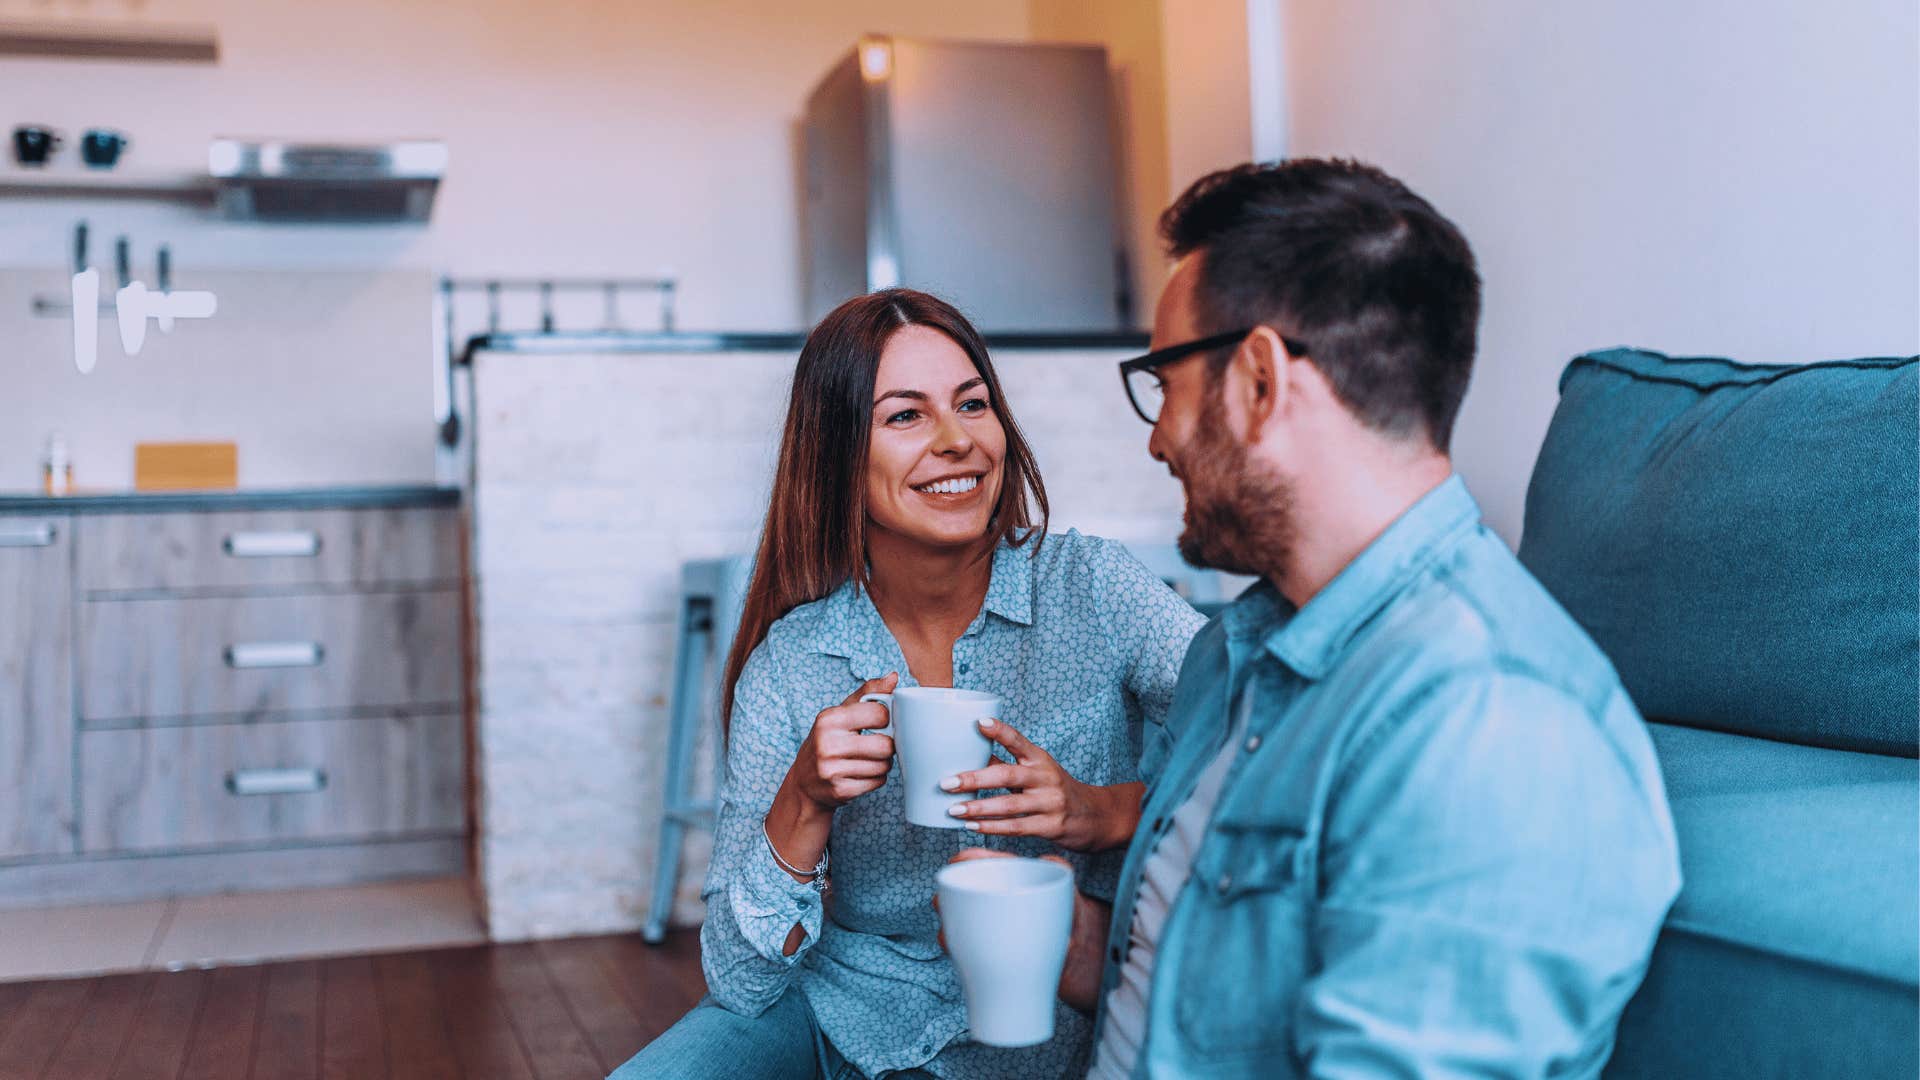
[1238, 516]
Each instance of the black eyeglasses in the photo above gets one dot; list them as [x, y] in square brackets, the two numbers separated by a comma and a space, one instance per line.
[1140, 375]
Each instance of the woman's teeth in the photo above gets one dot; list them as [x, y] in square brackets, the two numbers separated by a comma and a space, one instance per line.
[951, 487]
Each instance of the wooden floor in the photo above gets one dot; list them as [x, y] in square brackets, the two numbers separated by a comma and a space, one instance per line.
[555, 1010]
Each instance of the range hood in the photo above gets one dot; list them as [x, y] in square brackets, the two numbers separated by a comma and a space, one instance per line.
[392, 182]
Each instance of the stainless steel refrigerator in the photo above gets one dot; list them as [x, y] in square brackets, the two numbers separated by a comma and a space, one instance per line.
[983, 173]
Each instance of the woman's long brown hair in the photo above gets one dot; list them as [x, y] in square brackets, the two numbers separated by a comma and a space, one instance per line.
[815, 537]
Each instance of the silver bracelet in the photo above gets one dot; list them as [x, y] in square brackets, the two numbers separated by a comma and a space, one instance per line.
[818, 874]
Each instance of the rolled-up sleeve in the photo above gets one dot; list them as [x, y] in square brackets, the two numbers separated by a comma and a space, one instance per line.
[1493, 877]
[753, 904]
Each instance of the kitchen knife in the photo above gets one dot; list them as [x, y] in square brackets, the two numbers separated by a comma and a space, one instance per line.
[131, 305]
[163, 284]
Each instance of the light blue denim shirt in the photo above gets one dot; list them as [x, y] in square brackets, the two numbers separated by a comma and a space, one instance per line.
[1084, 645]
[1444, 848]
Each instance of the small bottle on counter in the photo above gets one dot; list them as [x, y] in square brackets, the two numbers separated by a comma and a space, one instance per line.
[56, 467]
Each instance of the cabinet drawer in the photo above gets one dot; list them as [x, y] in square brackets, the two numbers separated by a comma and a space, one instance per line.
[225, 550]
[143, 789]
[247, 656]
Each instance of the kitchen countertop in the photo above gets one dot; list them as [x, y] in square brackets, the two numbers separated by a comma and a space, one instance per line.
[630, 341]
[307, 498]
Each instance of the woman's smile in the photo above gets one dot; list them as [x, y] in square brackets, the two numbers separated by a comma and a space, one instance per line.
[951, 491]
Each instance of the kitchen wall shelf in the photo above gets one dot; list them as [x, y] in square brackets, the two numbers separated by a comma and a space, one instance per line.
[129, 39]
[183, 187]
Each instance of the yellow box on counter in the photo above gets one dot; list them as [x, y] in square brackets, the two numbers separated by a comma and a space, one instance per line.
[185, 466]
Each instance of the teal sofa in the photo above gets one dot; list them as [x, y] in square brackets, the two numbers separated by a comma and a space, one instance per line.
[1744, 543]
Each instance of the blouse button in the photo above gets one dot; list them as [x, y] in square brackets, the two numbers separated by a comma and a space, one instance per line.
[1253, 743]
[962, 669]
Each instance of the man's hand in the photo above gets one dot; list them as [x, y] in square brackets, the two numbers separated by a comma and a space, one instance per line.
[1045, 800]
[1080, 978]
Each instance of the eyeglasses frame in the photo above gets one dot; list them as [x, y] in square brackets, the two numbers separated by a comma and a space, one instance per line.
[1162, 357]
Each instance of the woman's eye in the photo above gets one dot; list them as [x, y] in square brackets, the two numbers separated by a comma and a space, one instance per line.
[973, 405]
[903, 416]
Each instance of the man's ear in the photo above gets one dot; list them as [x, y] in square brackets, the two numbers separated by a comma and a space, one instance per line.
[1260, 379]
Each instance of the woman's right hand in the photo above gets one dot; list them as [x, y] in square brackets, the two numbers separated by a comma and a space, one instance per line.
[838, 763]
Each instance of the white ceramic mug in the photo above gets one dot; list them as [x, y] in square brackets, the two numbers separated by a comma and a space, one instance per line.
[936, 733]
[1007, 922]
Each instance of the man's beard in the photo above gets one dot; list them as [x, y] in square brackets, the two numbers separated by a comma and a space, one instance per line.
[1238, 519]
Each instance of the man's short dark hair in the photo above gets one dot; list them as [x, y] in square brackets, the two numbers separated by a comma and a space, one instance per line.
[1380, 288]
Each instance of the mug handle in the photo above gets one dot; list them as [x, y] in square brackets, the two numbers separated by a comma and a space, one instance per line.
[884, 699]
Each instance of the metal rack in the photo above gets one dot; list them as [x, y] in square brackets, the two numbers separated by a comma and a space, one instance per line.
[59, 307]
[609, 334]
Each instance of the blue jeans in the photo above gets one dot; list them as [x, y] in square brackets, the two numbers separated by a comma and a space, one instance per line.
[710, 1043]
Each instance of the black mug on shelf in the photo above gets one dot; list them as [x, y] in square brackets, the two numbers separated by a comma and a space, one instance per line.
[33, 144]
[100, 148]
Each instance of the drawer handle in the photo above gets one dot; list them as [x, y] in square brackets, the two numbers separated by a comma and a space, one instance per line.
[275, 781]
[290, 544]
[35, 536]
[274, 654]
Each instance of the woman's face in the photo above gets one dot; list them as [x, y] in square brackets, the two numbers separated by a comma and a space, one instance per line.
[935, 445]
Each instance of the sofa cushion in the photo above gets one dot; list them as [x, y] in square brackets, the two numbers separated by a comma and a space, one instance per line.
[1794, 947]
[1742, 541]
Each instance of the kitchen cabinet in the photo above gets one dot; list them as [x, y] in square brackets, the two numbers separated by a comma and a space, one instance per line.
[241, 692]
[36, 681]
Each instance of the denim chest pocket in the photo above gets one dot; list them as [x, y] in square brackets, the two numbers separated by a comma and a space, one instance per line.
[1244, 952]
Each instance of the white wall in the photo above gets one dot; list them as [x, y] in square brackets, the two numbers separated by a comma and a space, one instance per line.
[319, 377]
[1727, 177]
[1209, 114]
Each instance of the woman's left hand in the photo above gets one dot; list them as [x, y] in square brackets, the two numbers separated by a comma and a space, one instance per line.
[1044, 800]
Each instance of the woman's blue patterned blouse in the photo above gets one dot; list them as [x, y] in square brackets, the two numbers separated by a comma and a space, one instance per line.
[1084, 644]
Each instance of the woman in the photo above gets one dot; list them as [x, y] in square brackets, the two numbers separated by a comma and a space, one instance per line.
[900, 549]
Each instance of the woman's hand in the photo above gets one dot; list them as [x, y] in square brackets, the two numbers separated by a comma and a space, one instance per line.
[838, 763]
[1045, 801]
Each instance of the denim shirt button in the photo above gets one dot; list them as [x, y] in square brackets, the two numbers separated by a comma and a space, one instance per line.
[1226, 882]
[1253, 743]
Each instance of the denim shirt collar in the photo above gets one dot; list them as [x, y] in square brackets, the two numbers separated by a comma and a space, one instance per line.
[1310, 640]
[852, 627]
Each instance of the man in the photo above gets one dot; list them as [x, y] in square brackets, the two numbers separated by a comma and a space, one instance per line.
[1406, 821]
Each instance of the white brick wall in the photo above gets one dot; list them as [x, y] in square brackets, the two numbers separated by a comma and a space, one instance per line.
[596, 478]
